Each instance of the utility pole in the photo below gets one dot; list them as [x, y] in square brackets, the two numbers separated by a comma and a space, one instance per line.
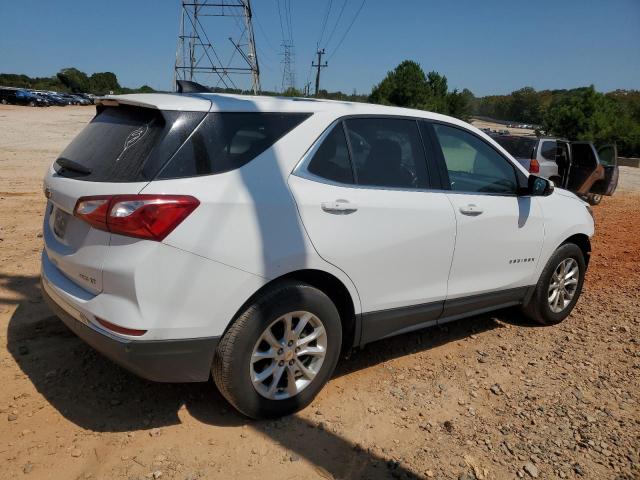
[196, 55]
[318, 66]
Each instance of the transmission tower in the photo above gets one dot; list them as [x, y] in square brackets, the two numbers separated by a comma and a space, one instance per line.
[288, 71]
[197, 57]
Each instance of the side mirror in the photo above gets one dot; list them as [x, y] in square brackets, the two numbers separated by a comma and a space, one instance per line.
[539, 187]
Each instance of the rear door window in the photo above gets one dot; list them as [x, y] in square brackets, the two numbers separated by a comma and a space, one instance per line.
[331, 161]
[387, 152]
[225, 141]
[126, 144]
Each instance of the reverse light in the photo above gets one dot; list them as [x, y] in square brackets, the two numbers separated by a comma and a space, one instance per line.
[151, 217]
[534, 166]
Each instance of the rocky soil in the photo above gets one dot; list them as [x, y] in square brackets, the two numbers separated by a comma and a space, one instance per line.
[489, 397]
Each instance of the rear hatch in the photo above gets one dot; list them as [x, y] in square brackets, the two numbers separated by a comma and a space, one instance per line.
[523, 149]
[125, 145]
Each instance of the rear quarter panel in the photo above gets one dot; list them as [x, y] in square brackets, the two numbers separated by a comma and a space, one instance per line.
[247, 218]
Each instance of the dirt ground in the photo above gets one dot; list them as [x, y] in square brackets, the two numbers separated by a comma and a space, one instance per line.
[489, 397]
[499, 126]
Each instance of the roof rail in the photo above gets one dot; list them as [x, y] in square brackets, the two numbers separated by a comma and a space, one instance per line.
[187, 86]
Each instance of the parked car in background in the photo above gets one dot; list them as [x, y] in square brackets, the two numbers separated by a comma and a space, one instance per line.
[71, 99]
[255, 238]
[576, 166]
[90, 99]
[56, 99]
[19, 96]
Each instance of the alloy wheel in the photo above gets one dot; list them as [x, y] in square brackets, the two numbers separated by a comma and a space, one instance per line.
[288, 355]
[563, 285]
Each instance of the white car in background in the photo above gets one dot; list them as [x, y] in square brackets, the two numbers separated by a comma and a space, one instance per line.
[255, 238]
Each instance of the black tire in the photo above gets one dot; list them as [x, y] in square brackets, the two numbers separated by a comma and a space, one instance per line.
[32, 103]
[594, 199]
[3, 101]
[231, 364]
[538, 308]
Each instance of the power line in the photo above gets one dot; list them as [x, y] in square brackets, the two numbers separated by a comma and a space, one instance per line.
[347, 31]
[280, 16]
[335, 26]
[324, 22]
[264, 34]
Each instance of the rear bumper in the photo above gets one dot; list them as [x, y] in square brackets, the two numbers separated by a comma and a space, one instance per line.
[184, 360]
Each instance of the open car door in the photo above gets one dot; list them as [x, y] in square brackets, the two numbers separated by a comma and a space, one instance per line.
[585, 169]
[608, 158]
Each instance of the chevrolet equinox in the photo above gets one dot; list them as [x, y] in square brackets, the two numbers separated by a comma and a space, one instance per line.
[255, 238]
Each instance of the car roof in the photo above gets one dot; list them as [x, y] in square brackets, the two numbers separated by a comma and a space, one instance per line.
[221, 102]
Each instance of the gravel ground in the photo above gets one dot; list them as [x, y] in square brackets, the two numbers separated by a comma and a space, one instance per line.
[489, 397]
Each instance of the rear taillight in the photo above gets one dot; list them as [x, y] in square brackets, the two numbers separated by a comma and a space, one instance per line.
[118, 329]
[534, 166]
[151, 217]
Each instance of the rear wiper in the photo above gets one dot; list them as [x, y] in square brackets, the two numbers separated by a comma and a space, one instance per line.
[71, 165]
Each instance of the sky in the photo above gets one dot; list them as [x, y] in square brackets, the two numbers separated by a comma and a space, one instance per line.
[489, 46]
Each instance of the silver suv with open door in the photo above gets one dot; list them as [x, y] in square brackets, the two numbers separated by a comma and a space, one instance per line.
[576, 166]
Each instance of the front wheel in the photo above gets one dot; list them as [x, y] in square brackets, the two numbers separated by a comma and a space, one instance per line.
[559, 286]
[278, 354]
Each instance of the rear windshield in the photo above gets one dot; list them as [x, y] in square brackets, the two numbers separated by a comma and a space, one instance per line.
[134, 144]
[126, 144]
[226, 141]
[519, 147]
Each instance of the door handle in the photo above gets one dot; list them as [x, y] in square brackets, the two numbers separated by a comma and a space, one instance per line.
[471, 209]
[339, 206]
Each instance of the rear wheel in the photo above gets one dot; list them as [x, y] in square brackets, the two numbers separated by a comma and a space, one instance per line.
[559, 286]
[278, 354]
[32, 103]
[594, 199]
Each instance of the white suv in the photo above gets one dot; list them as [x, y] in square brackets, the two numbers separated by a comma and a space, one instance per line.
[255, 238]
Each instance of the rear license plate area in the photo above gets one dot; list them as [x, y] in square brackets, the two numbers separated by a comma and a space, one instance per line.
[60, 220]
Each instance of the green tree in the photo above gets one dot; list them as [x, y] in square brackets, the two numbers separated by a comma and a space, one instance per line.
[75, 80]
[584, 114]
[460, 104]
[292, 92]
[405, 86]
[525, 106]
[103, 83]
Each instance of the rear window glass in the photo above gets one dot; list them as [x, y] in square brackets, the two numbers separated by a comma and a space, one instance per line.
[331, 160]
[387, 152]
[548, 150]
[126, 144]
[519, 147]
[226, 141]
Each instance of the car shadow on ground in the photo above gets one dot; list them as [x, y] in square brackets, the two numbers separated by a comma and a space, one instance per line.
[97, 395]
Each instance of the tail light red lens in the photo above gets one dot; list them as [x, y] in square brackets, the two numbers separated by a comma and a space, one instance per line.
[118, 329]
[151, 217]
[534, 166]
